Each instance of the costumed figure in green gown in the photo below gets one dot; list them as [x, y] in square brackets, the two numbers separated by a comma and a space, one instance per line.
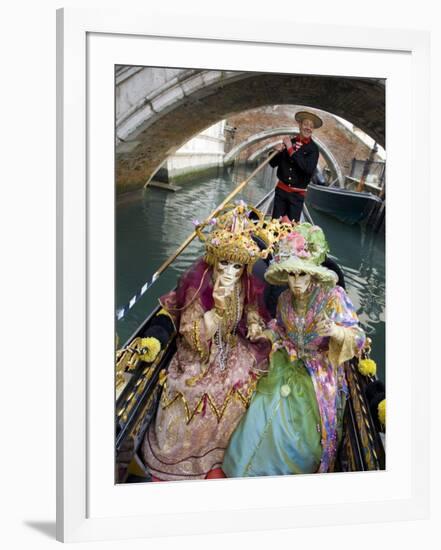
[293, 424]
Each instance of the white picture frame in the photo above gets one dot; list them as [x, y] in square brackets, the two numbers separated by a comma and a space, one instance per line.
[89, 505]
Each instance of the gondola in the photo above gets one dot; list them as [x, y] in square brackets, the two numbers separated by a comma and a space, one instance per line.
[139, 387]
[348, 206]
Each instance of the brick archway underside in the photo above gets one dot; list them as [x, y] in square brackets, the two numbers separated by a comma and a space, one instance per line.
[360, 101]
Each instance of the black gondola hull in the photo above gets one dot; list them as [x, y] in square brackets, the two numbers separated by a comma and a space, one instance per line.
[350, 207]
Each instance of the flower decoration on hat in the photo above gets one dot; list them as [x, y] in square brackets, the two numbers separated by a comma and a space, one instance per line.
[304, 248]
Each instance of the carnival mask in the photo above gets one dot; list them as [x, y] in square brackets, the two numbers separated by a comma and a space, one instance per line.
[228, 273]
[299, 282]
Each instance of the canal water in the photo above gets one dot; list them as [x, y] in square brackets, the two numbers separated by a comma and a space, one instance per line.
[151, 225]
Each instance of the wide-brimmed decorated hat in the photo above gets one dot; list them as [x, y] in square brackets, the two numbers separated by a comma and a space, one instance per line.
[303, 250]
[316, 120]
[231, 235]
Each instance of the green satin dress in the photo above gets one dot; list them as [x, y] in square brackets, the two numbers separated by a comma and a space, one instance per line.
[282, 435]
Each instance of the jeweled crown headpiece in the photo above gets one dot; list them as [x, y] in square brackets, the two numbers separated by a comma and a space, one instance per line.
[231, 234]
[273, 230]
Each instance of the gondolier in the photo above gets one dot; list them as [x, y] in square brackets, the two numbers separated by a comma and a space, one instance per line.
[296, 163]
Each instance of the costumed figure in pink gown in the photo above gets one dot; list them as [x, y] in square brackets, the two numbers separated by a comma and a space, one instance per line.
[217, 309]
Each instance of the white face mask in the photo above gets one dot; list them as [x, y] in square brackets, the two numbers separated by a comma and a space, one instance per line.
[299, 282]
[228, 273]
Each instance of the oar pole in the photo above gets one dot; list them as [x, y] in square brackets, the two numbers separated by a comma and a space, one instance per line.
[219, 207]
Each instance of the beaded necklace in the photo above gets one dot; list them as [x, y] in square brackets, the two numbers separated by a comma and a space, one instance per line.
[225, 336]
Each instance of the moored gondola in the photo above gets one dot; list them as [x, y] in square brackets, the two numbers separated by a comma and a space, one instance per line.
[348, 206]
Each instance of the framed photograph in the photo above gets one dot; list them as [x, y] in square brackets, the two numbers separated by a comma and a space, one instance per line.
[150, 104]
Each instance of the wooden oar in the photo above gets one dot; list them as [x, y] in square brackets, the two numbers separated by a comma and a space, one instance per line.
[208, 218]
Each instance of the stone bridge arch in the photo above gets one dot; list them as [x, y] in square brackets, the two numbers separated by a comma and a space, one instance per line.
[156, 117]
[145, 94]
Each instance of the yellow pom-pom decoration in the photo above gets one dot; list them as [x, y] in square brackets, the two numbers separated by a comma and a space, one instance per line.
[149, 349]
[382, 412]
[367, 367]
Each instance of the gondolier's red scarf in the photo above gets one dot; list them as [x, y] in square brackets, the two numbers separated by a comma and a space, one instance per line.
[298, 142]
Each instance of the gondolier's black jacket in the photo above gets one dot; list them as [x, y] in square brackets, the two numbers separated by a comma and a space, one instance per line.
[296, 170]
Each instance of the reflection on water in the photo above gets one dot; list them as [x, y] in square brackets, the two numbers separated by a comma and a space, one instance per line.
[151, 225]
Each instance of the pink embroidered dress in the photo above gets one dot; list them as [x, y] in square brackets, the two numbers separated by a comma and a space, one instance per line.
[209, 381]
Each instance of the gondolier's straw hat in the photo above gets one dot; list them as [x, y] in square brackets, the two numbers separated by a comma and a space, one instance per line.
[302, 115]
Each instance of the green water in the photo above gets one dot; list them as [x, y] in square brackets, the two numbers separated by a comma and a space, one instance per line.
[151, 225]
